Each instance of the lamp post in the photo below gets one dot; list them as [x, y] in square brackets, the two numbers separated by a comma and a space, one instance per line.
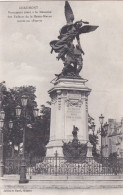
[93, 127]
[11, 145]
[22, 111]
[104, 129]
[106, 132]
[101, 119]
[23, 162]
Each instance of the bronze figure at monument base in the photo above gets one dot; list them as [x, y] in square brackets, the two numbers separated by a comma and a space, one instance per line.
[75, 151]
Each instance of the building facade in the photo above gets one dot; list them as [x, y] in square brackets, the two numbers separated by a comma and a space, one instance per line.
[113, 141]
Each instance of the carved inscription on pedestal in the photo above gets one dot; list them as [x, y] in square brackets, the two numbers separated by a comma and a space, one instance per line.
[73, 109]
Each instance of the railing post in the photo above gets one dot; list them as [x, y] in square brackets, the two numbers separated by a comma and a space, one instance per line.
[116, 166]
[56, 156]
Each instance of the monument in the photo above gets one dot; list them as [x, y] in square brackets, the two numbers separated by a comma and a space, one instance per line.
[69, 95]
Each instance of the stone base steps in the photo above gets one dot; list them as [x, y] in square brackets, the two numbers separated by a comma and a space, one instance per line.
[76, 178]
[62, 185]
[62, 182]
[40, 177]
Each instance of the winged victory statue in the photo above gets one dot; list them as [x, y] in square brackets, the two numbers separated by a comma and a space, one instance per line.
[69, 53]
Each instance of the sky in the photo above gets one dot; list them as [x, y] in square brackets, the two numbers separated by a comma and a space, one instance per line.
[25, 57]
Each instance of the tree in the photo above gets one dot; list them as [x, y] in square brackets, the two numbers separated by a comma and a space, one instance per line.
[94, 141]
[12, 98]
[5, 97]
[93, 138]
[45, 119]
[37, 129]
[38, 136]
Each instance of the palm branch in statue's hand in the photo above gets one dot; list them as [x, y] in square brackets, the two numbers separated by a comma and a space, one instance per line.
[78, 25]
[68, 13]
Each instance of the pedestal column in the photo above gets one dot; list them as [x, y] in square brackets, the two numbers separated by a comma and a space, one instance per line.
[69, 98]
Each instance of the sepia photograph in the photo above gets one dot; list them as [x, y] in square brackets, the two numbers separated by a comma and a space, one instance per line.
[61, 97]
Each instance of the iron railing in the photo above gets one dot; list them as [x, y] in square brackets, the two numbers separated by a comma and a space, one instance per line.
[59, 166]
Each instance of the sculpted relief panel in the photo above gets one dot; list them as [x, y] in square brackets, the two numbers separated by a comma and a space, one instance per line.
[73, 106]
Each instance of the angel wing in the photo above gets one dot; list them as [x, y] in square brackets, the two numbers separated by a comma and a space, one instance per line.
[87, 29]
[68, 13]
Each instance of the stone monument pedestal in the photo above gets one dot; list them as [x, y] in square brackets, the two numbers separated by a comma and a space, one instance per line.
[69, 107]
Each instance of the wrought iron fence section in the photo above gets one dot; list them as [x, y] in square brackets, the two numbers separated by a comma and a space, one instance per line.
[12, 166]
[43, 166]
[59, 166]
